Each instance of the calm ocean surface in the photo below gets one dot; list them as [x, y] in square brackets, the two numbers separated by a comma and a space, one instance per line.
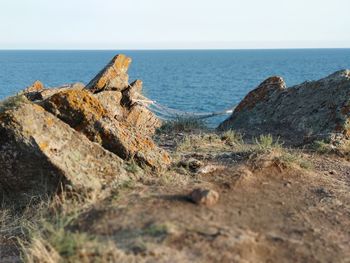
[200, 81]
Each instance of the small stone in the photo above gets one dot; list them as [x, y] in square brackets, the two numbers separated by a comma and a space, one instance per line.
[192, 164]
[204, 196]
[288, 184]
[333, 172]
[208, 169]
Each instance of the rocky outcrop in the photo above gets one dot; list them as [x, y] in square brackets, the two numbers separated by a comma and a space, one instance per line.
[302, 113]
[76, 135]
[83, 112]
[113, 77]
[124, 106]
[39, 154]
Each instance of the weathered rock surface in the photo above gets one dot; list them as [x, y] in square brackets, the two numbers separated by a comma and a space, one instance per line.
[113, 77]
[38, 92]
[312, 110]
[83, 112]
[76, 135]
[33, 92]
[38, 152]
[204, 196]
[124, 106]
[111, 101]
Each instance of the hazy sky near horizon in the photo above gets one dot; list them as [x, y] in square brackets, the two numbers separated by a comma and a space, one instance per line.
[158, 24]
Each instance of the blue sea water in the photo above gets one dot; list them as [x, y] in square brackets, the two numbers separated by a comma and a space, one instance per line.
[199, 81]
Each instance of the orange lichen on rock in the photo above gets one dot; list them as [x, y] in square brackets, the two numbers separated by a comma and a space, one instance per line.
[261, 93]
[43, 145]
[84, 112]
[313, 109]
[113, 77]
[36, 86]
[75, 107]
[49, 122]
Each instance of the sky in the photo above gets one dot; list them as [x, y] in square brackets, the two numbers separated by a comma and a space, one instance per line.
[176, 24]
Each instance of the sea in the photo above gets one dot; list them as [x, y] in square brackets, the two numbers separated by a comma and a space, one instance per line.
[199, 81]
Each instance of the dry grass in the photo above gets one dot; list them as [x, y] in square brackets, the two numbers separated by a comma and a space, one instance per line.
[232, 137]
[43, 232]
[322, 147]
[196, 142]
[267, 142]
[12, 102]
[182, 124]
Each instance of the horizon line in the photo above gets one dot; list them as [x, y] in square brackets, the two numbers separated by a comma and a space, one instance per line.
[166, 49]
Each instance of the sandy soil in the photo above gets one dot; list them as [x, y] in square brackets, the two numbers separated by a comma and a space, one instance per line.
[267, 211]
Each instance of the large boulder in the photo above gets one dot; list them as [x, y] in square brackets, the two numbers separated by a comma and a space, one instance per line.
[113, 77]
[84, 112]
[39, 154]
[302, 113]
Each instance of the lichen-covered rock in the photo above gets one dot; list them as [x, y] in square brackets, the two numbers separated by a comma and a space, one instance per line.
[111, 101]
[312, 110]
[33, 92]
[46, 93]
[38, 92]
[39, 153]
[136, 114]
[83, 112]
[125, 107]
[113, 77]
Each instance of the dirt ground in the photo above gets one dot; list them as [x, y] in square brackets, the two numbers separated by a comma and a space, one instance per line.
[271, 209]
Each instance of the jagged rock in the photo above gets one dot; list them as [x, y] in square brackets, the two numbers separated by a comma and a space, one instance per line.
[35, 87]
[132, 93]
[33, 92]
[125, 107]
[302, 113]
[38, 153]
[136, 113]
[38, 92]
[111, 101]
[46, 93]
[143, 119]
[83, 112]
[113, 77]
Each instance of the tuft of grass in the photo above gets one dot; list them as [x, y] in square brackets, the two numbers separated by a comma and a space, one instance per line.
[267, 142]
[132, 167]
[185, 144]
[288, 159]
[232, 137]
[12, 102]
[129, 184]
[195, 142]
[182, 124]
[65, 242]
[156, 230]
[321, 147]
